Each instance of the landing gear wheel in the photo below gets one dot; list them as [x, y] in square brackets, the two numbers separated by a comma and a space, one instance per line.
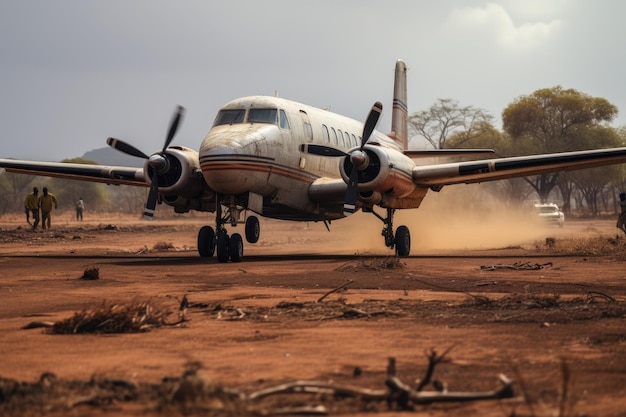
[253, 229]
[206, 242]
[222, 247]
[235, 247]
[403, 241]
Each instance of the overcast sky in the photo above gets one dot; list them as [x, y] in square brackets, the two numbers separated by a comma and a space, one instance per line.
[73, 72]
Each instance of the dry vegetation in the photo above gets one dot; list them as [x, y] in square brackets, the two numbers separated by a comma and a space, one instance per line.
[138, 316]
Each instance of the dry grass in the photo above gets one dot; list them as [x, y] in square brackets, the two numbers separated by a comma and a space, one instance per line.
[373, 264]
[586, 246]
[163, 246]
[138, 316]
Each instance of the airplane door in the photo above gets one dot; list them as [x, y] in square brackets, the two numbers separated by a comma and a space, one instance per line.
[306, 124]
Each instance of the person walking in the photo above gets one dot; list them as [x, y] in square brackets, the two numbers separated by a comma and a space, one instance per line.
[621, 220]
[80, 205]
[45, 202]
[31, 207]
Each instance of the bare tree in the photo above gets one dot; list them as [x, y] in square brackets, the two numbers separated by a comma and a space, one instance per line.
[446, 118]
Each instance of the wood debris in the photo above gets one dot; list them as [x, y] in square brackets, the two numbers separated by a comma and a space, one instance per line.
[517, 266]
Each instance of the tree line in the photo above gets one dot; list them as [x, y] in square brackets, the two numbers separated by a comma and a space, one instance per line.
[548, 120]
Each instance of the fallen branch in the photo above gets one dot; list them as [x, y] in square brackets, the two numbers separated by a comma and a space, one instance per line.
[398, 394]
[525, 266]
[433, 360]
[319, 300]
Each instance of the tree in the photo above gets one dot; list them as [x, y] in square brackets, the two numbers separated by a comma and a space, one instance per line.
[446, 118]
[14, 187]
[513, 191]
[557, 120]
[68, 192]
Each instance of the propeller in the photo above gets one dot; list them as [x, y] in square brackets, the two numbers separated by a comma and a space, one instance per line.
[157, 161]
[360, 160]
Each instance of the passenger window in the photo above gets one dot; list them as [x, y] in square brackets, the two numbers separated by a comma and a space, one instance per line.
[333, 135]
[325, 133]
[354, 142]
[262, 116]
[340, 138]
[227, 117]
[347, 136]
[284, 122]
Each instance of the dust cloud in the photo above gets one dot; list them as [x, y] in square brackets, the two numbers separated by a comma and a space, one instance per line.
[460, 217]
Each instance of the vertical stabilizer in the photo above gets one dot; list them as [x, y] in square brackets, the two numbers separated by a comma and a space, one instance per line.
[399, 115]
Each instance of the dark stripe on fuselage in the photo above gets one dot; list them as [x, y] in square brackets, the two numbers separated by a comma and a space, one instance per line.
[255, 164]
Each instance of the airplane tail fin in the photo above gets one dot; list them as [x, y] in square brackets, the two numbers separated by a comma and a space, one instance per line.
[399, 115]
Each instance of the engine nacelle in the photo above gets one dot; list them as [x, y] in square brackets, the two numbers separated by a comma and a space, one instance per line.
[182, 176]
[388, 172]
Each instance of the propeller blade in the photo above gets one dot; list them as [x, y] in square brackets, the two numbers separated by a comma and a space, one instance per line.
[322, 150]
[180, 111]
[359, 159]
[349, 205]
[371, 122]
[148, 212]
[126, 148]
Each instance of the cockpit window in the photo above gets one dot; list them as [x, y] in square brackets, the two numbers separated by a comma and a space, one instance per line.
[263, 116]
[228, 117]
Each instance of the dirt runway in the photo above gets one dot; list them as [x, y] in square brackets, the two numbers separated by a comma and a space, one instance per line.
[550, 317]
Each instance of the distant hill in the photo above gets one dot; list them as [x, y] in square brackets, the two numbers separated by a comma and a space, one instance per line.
[109, 156]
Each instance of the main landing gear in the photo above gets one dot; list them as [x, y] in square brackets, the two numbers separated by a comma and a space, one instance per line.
[228, 247]
[401, 241]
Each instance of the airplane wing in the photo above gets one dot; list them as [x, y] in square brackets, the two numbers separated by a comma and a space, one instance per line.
[521, 166]
[84, 172]
[427, 153]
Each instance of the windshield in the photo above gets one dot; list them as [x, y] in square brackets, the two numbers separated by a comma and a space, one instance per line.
[227, 117]
[262, 116]
[548, 209]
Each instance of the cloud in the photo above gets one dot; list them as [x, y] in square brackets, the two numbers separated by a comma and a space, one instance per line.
[494, 24]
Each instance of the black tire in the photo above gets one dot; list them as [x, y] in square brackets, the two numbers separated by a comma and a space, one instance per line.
[235, 247]
[403, 241]
[222, 247]
[253, 229]
[206, 241]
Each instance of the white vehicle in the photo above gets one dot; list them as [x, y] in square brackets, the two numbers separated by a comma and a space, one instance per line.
[550, 213]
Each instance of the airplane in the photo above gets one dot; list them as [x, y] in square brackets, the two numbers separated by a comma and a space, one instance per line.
[277, 158]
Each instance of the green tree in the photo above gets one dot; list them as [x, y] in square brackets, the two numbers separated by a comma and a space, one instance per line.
[513, 191]
[556, 120]
[446, 118]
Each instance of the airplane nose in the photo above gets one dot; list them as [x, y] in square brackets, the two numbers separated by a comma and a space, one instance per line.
[236, 158]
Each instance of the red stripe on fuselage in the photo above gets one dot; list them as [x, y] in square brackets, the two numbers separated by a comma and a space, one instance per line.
[263, 168]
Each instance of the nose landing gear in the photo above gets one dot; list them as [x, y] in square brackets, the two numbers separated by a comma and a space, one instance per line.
[228, 247]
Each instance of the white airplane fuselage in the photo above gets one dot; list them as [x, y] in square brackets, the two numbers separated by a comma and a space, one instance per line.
[266, 157]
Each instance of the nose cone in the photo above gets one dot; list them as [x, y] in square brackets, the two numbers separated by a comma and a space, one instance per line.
[234, 158]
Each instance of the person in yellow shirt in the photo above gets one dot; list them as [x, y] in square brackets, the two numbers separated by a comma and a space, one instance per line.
[45, 202]
[31, 206]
